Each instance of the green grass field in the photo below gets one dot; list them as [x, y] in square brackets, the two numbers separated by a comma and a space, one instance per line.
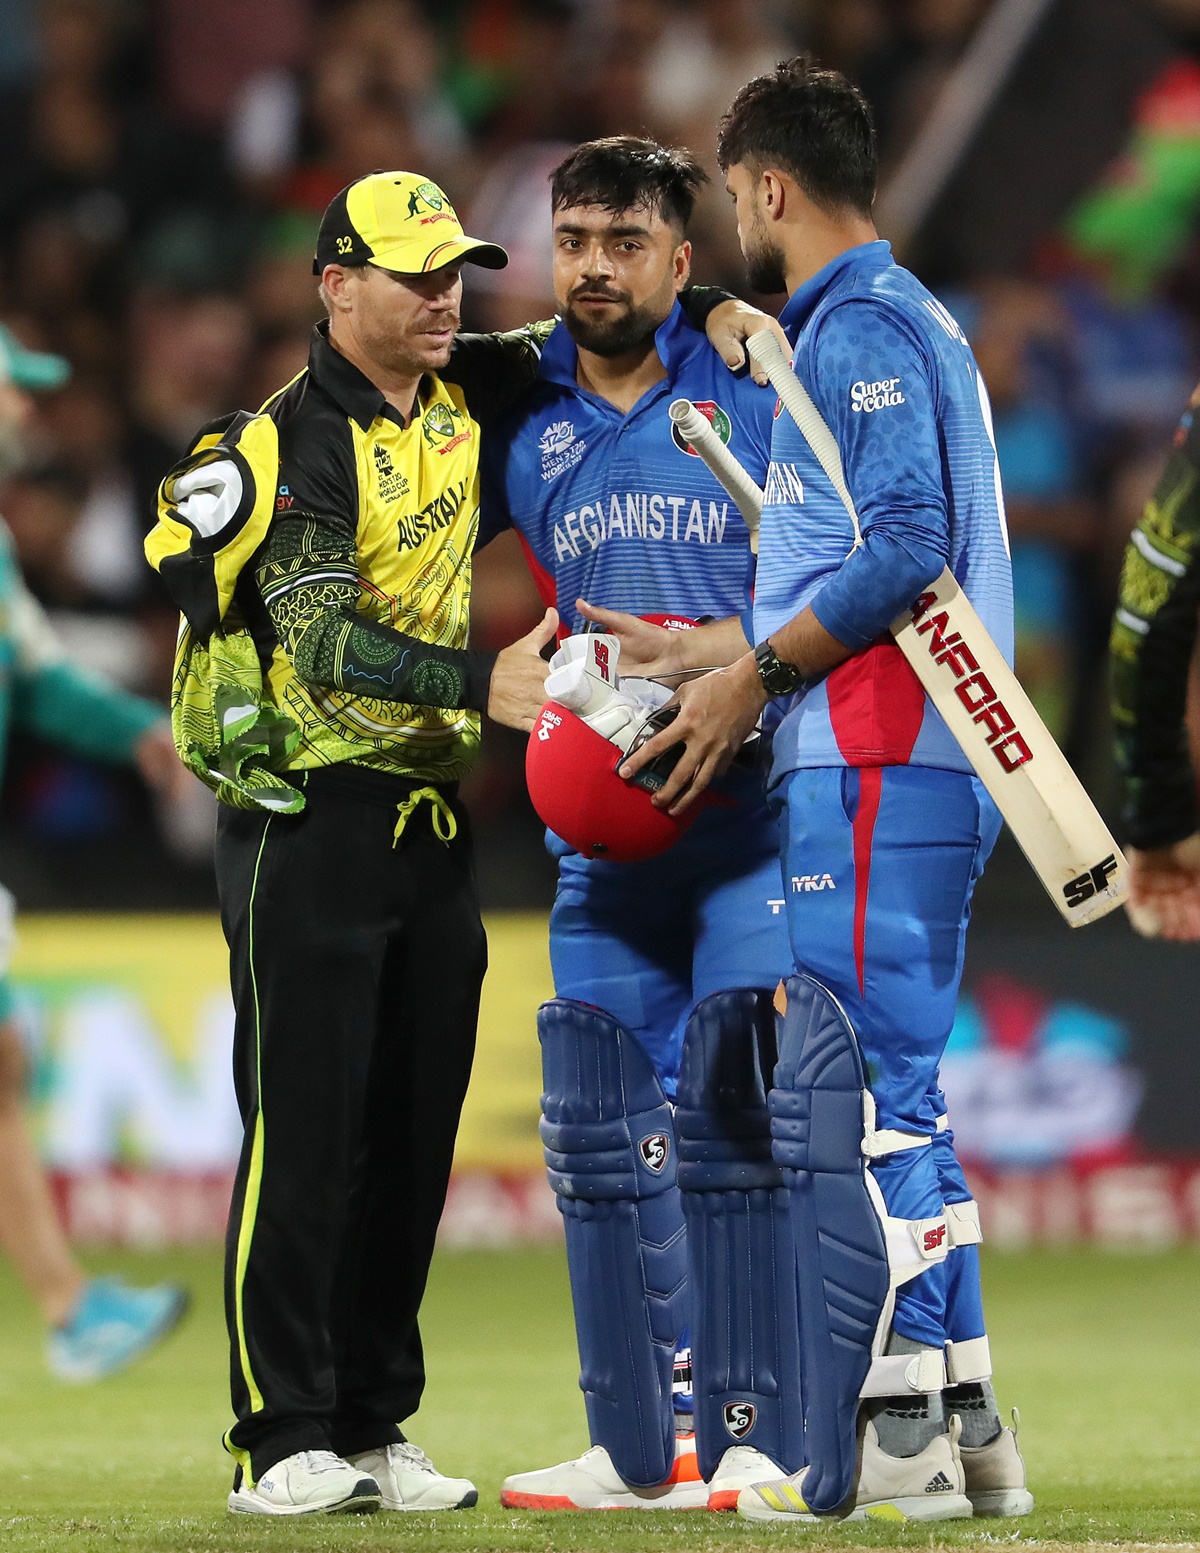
[1101, 1352]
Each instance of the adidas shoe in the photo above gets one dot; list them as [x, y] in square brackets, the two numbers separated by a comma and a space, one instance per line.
[924, 1487]
[111, 1325]
[995, 1474]
[740, 1467]
[591, 1482]
[308, 1483]
[408, 1480]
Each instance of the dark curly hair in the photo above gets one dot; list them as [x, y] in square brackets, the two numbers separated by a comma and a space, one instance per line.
[810, 123]
[624, 172]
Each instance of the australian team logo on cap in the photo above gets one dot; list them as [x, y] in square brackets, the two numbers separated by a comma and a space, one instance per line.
[428, 198]
[716, 418]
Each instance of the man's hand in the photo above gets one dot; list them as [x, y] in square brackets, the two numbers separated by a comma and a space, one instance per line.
[646, 649]
[159, 763]
[517, 691]
[731, 324]
[716, 714]
[650, 650]
[1164, 891]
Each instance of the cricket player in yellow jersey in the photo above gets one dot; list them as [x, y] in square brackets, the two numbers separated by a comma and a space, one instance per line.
[321, 554]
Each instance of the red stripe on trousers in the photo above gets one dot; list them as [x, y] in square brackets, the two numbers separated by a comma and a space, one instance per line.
[870, 784]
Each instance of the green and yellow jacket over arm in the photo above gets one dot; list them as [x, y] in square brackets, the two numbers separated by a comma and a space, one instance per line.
[1153, 638]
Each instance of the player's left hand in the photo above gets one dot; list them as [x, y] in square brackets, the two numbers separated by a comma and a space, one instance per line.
[159, 763]
[717, 713]
[1164, 891]
[731, 324]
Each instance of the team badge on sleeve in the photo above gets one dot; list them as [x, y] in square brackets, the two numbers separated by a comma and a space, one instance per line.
[717, 419]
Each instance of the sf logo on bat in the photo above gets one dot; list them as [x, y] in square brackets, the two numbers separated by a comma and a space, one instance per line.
[1093, 882]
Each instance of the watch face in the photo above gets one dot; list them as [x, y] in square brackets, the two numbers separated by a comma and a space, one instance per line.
[778, 678]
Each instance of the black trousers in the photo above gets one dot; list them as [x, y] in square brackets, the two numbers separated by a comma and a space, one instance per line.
[356, 969]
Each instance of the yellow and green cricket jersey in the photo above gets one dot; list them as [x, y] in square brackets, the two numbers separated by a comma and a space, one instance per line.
[321, 554]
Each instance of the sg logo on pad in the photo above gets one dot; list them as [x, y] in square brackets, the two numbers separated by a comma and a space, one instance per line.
[655, 1151]
[739, 1418]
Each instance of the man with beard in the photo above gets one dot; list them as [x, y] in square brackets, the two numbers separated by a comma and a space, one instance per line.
[878, 802]
[321, 554]
[612, 507]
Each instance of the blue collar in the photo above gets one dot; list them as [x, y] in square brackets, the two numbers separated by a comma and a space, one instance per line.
[864, 256]
[675, 340]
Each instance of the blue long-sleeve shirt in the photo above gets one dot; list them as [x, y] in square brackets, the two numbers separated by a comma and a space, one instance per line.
[895, 380]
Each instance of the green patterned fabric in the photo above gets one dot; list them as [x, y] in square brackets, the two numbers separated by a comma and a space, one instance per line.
[225, 730]
[1150, 651]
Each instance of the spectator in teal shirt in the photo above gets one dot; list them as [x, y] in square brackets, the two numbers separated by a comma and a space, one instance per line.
[97, 1325]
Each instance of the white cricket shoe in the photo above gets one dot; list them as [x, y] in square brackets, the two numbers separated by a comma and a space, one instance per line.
[995, 1474]
[308, 1483]
[925, 1487]
[408, 1480]
[740, 1467]
[591, 1482]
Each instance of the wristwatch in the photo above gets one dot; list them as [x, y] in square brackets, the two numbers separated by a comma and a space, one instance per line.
[778, 678]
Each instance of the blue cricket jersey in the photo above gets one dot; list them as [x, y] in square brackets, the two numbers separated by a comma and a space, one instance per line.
[613, 507]
[892, 374]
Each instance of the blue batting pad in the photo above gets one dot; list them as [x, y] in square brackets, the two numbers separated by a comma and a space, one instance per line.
[610, 1152]
[741, 1257]
[817, 1131]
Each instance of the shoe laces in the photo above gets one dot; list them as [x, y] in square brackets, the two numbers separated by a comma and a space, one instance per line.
[321, 1461]
[414, 1457]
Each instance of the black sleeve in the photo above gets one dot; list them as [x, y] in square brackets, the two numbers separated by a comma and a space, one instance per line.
[699, 301]
[494, 370]
[1153, 638]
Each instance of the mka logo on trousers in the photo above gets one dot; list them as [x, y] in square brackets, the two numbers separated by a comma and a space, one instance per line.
[802, 883]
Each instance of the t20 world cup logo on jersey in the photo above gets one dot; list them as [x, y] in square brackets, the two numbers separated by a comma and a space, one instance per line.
[739, 1418]
[655, 1151]
[560, 448]
[716, 418]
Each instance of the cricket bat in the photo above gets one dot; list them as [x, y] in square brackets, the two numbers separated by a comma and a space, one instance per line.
[980, 699]
[696, 429]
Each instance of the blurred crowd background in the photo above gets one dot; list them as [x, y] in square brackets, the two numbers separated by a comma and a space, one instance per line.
[164, 165]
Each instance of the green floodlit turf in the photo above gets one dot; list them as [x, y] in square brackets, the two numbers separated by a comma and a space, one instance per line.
[1101, 1352]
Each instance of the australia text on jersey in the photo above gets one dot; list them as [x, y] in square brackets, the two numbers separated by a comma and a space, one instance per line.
[642, 516]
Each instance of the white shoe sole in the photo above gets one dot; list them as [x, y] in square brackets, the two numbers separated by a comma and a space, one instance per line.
[467, 1502]
[242, 1503]
[937, 1507]
[1002, 1501]
[692, 1498]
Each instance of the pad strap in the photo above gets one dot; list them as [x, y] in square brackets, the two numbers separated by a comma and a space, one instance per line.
[878, 1141]
[962, 1223]
[893, 1374]
[968, 1361]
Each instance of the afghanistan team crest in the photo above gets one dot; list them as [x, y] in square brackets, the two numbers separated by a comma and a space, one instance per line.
[716, 418]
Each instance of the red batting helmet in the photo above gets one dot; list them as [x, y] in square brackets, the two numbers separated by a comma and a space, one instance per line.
[571, 771]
